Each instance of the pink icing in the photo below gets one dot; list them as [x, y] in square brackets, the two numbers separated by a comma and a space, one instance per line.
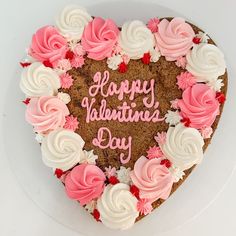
[46, 113]
[79, 50]
[181, 62]
[110, 171]
[64, 64]
[136, 87]
[144, 206]
[174, 103]
[84, 183]
[153, 179]
[124, 113]
[154, 152]
[185, 80]
[48, 44]
[105, 140]
[174, 38]
[71, 123]
[200, 105]
[99, 38]
[153, 24]
[160, 138]
[77, 61]
[66, 80]
[206, 132]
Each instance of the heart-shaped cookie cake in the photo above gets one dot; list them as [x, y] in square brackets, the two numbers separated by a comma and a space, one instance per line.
[122, 114]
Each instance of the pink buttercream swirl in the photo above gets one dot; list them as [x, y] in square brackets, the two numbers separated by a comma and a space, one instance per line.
[99, 38]
[174, 38]
[200, 105]
[48, 45]
[46, 113]
[84, 183]
[153, 179]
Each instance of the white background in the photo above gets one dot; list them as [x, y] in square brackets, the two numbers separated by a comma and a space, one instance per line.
[18, 214]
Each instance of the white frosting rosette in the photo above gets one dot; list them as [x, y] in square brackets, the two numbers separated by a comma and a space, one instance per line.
[183, 146]
[38, 80]
[117, 207]
[206, 62]
[72, 20]
[62, 149]
[136, 39]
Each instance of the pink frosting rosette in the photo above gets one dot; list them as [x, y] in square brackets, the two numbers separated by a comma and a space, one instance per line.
[46, 113]
[48, 45]
[174, 38]
[200, 105]
[153, 179]
[84, 183]
[99, 38]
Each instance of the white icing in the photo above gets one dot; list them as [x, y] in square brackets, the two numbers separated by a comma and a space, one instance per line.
[72, 20]
[39, 137]
[172, 117]
[117, 207]
[203, 36]
[62, 149]
[91, 206]
[183, 146]
[206, 62]
[65, 97]
[176, 173]
[155, 55]
[38, 80]
[114, 62]
[123, 175]
[89, 157]
[136, 39]
[216, 84]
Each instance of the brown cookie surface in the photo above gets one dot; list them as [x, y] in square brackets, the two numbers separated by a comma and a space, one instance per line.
[164, 73]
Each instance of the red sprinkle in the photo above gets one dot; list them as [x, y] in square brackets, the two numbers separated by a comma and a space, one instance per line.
[58, 173]
[69, 55]
[146, 58]
[196, 40]
[96, 214]
[26, 101]
[122, 67]
[25, 64]
[113, 180]
[166, 162]
[186, 121]
[220, 97]
[134, 190]
[48, 64]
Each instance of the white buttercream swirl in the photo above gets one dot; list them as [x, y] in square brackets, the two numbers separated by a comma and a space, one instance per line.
[38, 80]
[62, 149]
[72, 20]
[183, 146]
[117, 207]
[136, 39]
[206, 62]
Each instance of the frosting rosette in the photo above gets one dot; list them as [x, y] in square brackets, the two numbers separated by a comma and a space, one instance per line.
[153, 180]
[99, 38]
[136, 39]
[62, 149]
[174, 38]
[117, 207]
[72, 20]
[48, 45]
[206, 62]
[38, 80]
[84, 183]
[46, 113]
[200, 105]
[183, 146]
